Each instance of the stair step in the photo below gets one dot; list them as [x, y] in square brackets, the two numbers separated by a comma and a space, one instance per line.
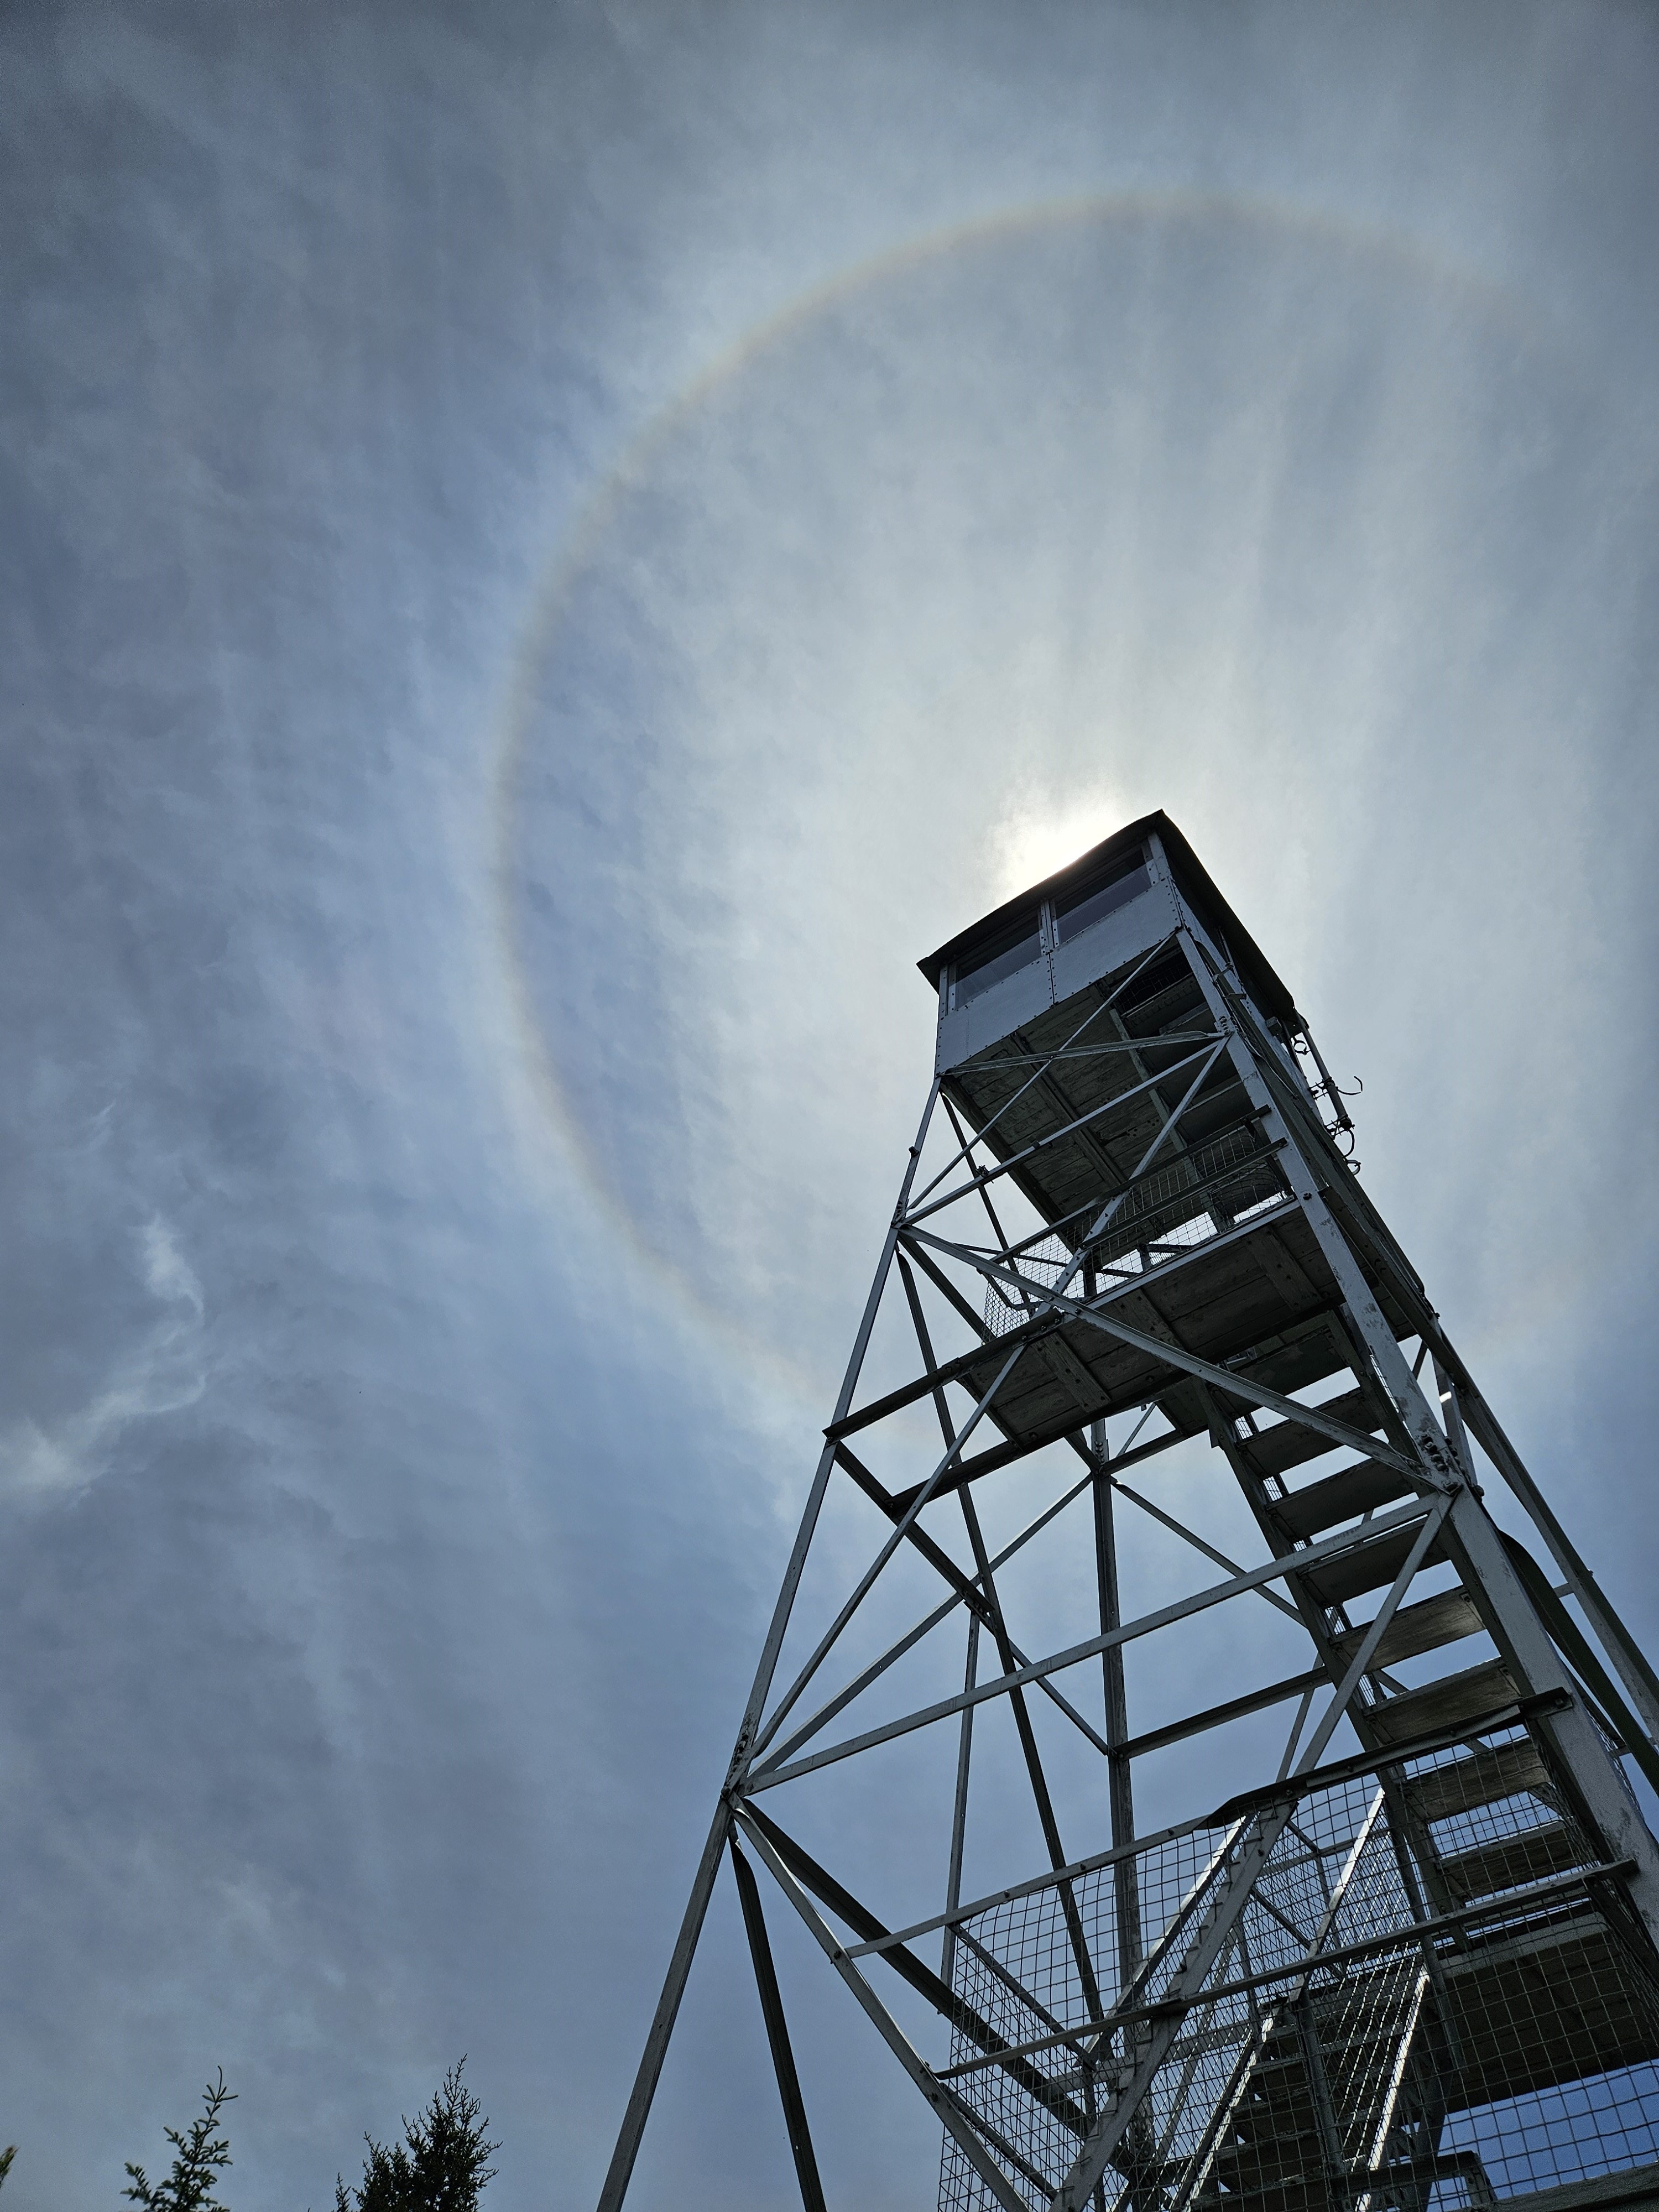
[1308, 2192]
[1341, 1497]
[1533, 1855]
[1566, 2003]
[1506, 1772]
[1278, 2112]
[1440, 1705]
[1288, 1444]
[1294, 2159]
[1372, 1566]
[1416, 1628]
[1289, 2148]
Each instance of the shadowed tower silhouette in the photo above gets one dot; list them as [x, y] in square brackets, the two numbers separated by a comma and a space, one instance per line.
[1414, 1964]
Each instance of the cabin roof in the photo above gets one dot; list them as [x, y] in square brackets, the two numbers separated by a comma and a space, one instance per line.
[1264, 982]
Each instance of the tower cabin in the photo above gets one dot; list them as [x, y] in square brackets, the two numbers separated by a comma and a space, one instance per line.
[1087, 922]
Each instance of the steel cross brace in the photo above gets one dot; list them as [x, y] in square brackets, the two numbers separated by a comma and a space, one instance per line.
[981, 1176]
[1043, 1062]
[1291, 1563]
[832, 1634]
[963, 1591]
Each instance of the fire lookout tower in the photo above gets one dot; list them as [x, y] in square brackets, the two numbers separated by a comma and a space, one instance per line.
[1411, 1962]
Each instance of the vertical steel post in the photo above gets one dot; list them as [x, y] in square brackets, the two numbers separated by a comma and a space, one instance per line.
[777, 2034]
[1119, 1786]
[959, 1811]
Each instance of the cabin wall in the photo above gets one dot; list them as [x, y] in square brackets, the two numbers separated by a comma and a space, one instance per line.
[1101, 951]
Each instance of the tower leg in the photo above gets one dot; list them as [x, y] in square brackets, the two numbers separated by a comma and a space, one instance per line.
[959, 1810]
[662, 2023]
[679, 1966]
[777, 2034]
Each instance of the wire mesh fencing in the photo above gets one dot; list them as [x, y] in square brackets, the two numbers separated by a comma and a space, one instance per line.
[1431, 1994]
[1201, 1194]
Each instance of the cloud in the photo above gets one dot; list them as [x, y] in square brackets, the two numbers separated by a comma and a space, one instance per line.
[163, 1373]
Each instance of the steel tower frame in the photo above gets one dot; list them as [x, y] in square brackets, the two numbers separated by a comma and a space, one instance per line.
[1416, 1965]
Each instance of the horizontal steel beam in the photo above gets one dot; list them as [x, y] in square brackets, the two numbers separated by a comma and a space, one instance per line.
[1053, 1432]
[1087, 1051]
[1254, 1701]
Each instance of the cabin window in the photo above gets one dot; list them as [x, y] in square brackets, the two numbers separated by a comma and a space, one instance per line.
[1005, 955]
[1090, 903]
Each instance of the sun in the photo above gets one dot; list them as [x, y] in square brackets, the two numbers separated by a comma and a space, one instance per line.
[1033, 840]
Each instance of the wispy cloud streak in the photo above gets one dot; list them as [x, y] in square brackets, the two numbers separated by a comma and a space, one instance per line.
[164, 1372]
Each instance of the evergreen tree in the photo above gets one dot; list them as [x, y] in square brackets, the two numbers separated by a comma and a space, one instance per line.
[6, 2158]
[440, 2166]
[201, 2156]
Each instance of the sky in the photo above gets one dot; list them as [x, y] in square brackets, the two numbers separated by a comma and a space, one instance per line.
[550, 553]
